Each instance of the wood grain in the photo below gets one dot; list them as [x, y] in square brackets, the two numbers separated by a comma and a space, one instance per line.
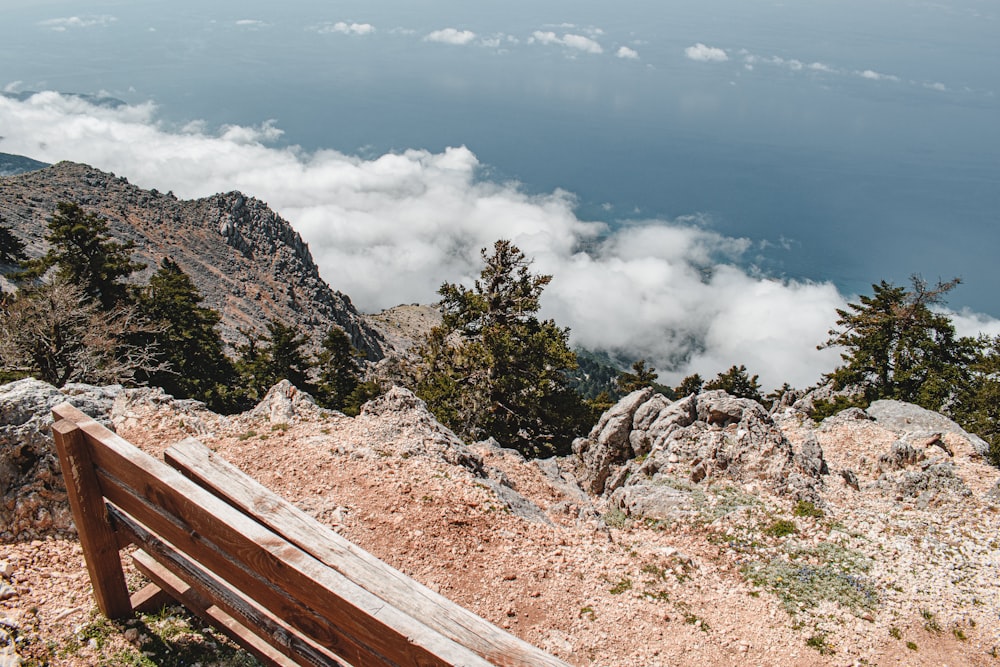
[228, 482]
[293, 585]
[97, 538]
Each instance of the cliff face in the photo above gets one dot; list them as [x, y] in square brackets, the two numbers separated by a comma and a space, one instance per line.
[246, 260]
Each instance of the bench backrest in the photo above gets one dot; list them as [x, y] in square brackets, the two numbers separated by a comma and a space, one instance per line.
[301, 587]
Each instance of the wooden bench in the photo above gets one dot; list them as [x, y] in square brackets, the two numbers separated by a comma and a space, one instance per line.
[282, 585]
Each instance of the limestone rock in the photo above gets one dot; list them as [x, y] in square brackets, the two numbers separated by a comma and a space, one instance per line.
[647, 441]
[283, 404]
[32, 493]
[915, 421]
[400, 409]
[609, 441]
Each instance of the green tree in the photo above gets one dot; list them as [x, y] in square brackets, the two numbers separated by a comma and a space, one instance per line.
[640, 377]
[340, 385]
[896, 347]
[11, 248]
[692, 384]
[977, 404]
[82, 254]
[266, 359]
[494, 369]
[186, 339]
[737, 382]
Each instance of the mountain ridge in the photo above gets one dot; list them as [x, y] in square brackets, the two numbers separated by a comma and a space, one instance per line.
[247, 261]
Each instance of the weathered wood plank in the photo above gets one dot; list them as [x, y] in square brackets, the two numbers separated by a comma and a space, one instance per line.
[308, 595]
[228, 482]
[150, 599]
[97, 537]
[229, 626]
[206, 590]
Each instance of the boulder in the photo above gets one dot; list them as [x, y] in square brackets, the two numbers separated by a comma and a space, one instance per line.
[32, 493]
[608, 443]
[646, 440]
[912, 422]
[283, 404]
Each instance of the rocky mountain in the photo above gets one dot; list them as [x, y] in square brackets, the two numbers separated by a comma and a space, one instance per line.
[248, 262]
[703, 531]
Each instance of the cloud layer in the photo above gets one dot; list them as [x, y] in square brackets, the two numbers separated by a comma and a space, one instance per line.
[451, 36]
[568, 40]
[65, 23]
[391, 229]
[705, 54]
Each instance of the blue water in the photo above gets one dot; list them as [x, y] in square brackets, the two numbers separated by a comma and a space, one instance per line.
[834, 175]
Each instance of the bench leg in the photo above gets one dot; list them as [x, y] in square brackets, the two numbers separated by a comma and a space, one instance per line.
[97, 537]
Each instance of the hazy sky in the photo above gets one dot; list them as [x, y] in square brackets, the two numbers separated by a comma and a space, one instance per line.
[705, 180]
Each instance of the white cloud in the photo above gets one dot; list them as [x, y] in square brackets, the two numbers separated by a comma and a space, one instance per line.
[344, 28]
[568, 40]
[581, 43]
[69, 22]
[391, 229]
[451, 36]
[822, 67]
[13, 86]
[627, 53]
[706, 54]
[937, 85]
[968, 323]
[251, 23]
[876, 76]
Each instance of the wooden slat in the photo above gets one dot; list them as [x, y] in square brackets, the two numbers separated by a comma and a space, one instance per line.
[309, 596]
[228, 482]
[97, 538]
[150, 599]
[205, 591]
[211, 614]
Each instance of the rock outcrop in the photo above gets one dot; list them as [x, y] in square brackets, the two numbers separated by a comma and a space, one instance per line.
[646, 447]
[916, 422]
[247, 261]
[32, 493]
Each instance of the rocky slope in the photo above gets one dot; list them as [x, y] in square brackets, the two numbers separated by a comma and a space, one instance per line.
[700, 532]
[247, 261]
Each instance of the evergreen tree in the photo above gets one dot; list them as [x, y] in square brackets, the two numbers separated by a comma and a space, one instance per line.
[896, 347]
[976, 405]
[266, 359]
[84, 255]
[640, 377]
[692, 384]
[494, 369]
[340, 386]
[737, 382]
[186, 339]
[11, 248]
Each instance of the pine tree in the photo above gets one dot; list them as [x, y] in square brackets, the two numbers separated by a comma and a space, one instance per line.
[186, 339]
[340, 386]
[640, 377]
[84, 255]
[896, 347]
[266, 359]
[692, 384]
[494, 369]
[737, 382]
[976, 406]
